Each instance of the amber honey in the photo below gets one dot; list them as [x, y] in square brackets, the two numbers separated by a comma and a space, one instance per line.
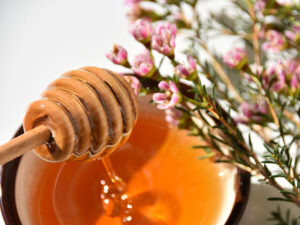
[164, 182]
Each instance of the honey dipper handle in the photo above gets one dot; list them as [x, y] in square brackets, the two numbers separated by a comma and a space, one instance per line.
[21, 144]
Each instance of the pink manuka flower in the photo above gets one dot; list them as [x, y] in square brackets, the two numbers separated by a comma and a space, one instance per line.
[275, 41]
[283, 76]
[259, 6]
[134, 83]
[252, 112]
[275, 77]
[236, 58]
[294, 33]
[141, 30]
[293, 71]
[293, 67]
[181, 71]
[173, 116]
[184, 71]
[163, 38]
[143, 64]
[169, 98]
[118, 55]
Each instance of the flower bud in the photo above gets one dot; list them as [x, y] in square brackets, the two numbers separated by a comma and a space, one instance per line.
[236, 58]
[293, 33]
[252, 112]
[163, 38]
[275, 78]
[143, 64]
[276, 42]
[185, 71]
[259, 6]
[181, 71]
[141, 30]
[118, 55]
[192, 63]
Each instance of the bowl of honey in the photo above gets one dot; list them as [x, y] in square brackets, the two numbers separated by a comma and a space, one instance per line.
[155, 178]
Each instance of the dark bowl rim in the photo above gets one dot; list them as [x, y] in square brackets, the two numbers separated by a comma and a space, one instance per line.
[10, 214]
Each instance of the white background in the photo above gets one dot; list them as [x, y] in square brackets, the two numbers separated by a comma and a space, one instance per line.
[40, 39]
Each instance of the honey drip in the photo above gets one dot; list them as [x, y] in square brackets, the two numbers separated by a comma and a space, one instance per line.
[113, 195]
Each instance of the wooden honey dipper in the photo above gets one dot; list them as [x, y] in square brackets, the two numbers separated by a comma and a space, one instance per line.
[83, 115]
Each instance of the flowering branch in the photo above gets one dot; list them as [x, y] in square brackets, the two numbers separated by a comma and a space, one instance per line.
[254, 89]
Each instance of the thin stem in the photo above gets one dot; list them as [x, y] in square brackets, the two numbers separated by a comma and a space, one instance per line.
[273, 113]
[255, 35]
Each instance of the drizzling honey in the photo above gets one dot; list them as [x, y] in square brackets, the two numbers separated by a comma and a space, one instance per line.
[113, 195]
[157, 180]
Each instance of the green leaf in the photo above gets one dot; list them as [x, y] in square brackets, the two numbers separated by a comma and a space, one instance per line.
[288, 192]
[218, 139]
[278, 199]
[268, 148]
[269, 161]
[214, 91]
[290, 163]
[203, 105]
[204, 147]
[250, 142]
[278, 175]
[206, 156]
[183, 110]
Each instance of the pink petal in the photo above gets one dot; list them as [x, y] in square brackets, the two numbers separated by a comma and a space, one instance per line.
[164, 85]
[165, 49]
[159, 97]
[174, 100]
[263, 107]
[246, 109]
[173, 87]
[181, 71]
[142, 70]
[192, 62]
[173, 29]
[294, 82]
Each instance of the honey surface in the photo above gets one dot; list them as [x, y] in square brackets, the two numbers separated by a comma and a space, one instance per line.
[165, 183]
